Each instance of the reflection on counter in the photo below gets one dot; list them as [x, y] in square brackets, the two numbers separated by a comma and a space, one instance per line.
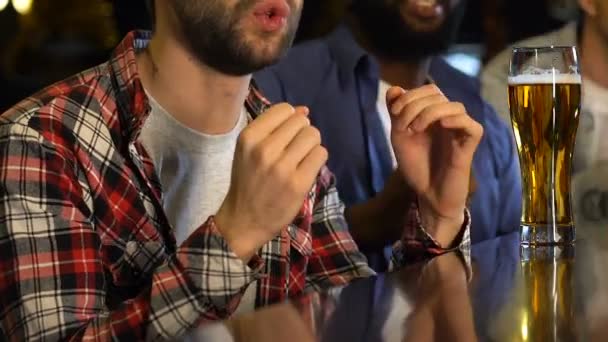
[542, 308]
[509, 294]
[425, 302]
[548, 293]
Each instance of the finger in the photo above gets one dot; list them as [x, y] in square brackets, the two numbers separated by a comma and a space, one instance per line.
[412, 95]
[414, 109]
[310, 166]
[271, 119]
[303, 143]
[432, 113]
[281, 137]
[470, 128]
[393, 94]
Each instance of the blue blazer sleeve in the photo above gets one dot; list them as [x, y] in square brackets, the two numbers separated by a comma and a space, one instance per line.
[509, 176]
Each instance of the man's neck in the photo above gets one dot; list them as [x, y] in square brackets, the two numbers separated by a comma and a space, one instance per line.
[405, 74]
[198, 96]
[594, 53]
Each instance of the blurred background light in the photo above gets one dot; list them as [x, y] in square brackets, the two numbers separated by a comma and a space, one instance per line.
[466, 58]
[3, 4]
[22, 7]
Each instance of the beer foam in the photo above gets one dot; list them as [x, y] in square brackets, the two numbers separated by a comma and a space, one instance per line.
[545, 79]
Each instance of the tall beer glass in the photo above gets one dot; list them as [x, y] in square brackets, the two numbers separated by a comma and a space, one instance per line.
[544, 101]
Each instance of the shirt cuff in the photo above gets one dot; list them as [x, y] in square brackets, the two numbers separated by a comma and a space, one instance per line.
[255, 264]
[417, 244]
[215, 270]
[462, 238]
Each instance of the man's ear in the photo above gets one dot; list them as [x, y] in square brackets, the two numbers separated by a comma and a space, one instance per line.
[588, 6]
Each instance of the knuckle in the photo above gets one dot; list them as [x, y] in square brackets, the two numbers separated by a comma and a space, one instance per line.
[245, 139]
[393, 94]
[442, 99]
[438, 98]
[313, 134]
[323, 153]
[407, 98]
[460, 107]
[280, 109]
[409, 108]
[285, 108]
[279, 172]
[435, 89]
[261, 155]
[429, 111]
[404, 99]
[301, 120]
[480, 129]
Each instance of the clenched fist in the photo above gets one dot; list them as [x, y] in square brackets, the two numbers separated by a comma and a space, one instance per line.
[277, 160]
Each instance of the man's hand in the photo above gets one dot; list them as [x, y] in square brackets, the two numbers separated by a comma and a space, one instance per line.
[276, 162]
[442, 308]
[434, 142]
[261, 325]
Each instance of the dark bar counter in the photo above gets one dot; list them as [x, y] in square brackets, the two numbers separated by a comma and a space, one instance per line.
[509, 293]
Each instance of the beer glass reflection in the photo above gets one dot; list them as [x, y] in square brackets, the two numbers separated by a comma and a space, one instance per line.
[544, 101]
[548, 313]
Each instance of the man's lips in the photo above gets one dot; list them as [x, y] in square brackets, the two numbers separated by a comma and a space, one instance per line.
[272, 15]
[428, 9]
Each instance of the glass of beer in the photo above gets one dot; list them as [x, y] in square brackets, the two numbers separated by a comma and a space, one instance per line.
[544, 101]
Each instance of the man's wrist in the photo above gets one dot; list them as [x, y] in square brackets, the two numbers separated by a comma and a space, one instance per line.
[442, 229]
[239, 244]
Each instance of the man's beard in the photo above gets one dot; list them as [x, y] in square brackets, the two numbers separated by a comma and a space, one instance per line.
[391, 37]
[211, 32]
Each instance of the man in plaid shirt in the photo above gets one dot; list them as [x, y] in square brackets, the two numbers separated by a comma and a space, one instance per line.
[87, 250]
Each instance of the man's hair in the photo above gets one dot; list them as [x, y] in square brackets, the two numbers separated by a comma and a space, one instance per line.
[151, 13]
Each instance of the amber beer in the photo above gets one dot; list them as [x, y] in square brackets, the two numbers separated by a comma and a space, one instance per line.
[544, 115]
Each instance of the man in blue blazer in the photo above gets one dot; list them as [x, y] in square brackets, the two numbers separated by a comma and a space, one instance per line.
[344, 77]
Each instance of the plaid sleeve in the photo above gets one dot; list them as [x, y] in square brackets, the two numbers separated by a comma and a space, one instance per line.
[336, 258]
[53, 282]
[417, 244]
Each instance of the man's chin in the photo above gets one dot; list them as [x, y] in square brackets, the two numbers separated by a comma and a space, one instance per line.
[242, 59]
[266, 56]
[247, 66]
[265, 62]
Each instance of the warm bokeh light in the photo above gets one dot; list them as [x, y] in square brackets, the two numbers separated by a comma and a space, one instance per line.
[22, 6]
[3, 4]
[524, 327]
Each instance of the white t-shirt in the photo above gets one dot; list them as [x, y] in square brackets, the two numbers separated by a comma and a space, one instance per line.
[194, 171]
[590, 179]
[591, 142]
[385, 116]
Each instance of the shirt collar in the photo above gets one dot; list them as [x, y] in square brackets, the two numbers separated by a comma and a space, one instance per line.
[349, 54]
[132, 101]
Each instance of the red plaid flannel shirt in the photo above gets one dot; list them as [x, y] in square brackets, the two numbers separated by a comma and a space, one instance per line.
[86, 251]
